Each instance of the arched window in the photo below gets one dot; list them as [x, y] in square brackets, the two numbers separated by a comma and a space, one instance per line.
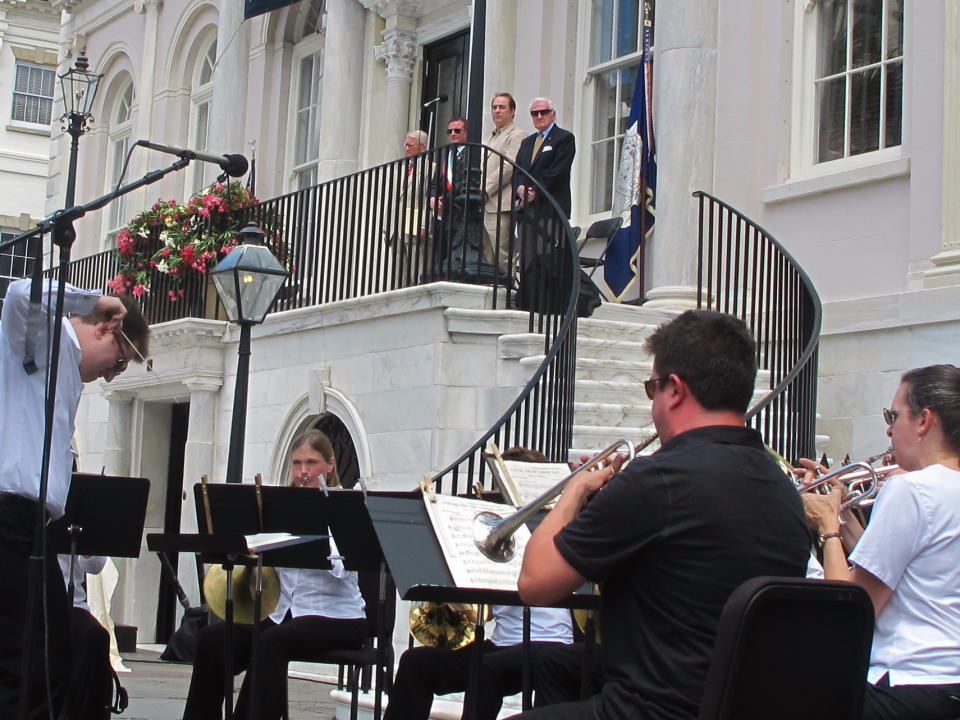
[119, 134]
[305, 94]
[201, 103]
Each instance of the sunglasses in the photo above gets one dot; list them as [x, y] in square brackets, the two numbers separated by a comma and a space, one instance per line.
[653, 384]
[890, 416]
[537, 113]
[455, 131]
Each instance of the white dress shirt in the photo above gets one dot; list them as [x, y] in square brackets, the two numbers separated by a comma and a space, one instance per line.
[331, 593]
[92, 564]
[22, 395]
[546, 625]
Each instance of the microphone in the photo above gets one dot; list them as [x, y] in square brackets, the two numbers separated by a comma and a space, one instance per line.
[437, 100]
[232, 165]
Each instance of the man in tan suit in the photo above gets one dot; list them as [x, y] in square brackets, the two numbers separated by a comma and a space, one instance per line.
[411, 240]
[497, 179]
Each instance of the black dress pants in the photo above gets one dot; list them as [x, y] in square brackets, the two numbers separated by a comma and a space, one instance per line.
[303, 638]
[426, 671]
[17, 516]
[91, 680]
[911, 702]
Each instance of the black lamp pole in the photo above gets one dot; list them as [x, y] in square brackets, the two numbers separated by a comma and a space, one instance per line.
[238, 425]
[248, 280]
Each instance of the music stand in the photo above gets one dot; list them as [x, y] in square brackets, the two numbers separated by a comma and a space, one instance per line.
[234, 508]
[104, 515]
[402, 523]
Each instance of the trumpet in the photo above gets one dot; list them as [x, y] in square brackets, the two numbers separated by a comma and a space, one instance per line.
[493, 534]
[861, 481]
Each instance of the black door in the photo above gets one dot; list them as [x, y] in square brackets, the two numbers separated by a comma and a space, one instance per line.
[445, 65]
[167, 596]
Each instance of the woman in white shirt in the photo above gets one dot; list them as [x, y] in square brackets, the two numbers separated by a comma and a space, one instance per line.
[318, 611]
[908, 557]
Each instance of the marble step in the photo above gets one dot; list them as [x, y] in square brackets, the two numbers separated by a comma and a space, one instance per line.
[630, 314]
[612, 414]
[614, 330]
[610, 347]
[609, 391]
[588, 439]
[625, 371]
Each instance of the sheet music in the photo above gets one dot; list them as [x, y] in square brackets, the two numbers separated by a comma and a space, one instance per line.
[532, 479]
[267, 541]
[452, 519]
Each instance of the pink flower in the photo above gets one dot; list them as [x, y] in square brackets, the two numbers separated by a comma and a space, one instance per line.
[166, 252]
[187, 253]
[172, 295]
[204, 212]
[139, 290]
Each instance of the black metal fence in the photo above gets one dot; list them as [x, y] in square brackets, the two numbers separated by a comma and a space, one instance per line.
[451, 214]
[744, 271]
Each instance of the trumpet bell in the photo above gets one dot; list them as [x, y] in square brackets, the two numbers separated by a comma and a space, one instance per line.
[244, 592]
[502, 550]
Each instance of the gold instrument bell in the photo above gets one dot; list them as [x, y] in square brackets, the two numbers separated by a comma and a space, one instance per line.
[448, 626]
[244, 592]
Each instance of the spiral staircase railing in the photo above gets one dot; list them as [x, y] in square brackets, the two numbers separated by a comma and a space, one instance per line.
[744, 271]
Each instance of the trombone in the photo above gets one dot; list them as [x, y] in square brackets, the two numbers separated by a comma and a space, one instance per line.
[493, 534]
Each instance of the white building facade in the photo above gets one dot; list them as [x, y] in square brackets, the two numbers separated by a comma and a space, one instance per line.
[838, 133]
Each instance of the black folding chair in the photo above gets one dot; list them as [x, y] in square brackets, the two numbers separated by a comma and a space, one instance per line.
[790, 649]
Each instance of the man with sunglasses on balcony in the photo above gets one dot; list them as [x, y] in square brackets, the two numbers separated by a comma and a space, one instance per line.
[101, 334]
[675, 533]
[547, 155]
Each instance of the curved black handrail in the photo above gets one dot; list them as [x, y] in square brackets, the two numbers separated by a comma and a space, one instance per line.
[743, 270]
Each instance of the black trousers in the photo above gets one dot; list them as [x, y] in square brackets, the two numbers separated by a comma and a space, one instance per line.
[304, 638]
[911, 702]
[17, 516]
[91, 680]
[558, 676]
[425, 672]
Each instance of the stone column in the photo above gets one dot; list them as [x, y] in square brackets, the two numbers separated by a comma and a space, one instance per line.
[116, 453]
[399, 51]
[197, 461]
[229, 105]
[341, 97]
[149, 62]
[500, 54]
[685, 85]
[946, 270]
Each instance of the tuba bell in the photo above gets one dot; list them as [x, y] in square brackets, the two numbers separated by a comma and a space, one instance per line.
[216, 581]
[448, 626]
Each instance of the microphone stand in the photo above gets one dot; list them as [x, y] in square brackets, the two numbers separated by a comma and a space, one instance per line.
[63, 234]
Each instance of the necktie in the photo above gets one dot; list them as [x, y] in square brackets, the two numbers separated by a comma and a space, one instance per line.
[537, 144]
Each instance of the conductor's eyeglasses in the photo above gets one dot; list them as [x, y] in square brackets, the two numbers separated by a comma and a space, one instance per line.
[121, 364]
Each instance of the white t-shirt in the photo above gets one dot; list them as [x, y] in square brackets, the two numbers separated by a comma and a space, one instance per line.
[546, 625]
[912, 545]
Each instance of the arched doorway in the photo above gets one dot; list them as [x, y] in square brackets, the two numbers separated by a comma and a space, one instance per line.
[343, 449]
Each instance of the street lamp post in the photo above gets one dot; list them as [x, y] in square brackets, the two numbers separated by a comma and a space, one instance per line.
[247, 281]
[79, 87]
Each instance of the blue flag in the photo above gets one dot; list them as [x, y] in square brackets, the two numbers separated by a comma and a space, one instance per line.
[251, 8]
[636, 186]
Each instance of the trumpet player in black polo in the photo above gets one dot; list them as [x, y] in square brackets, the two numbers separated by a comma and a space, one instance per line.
[672, 535]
